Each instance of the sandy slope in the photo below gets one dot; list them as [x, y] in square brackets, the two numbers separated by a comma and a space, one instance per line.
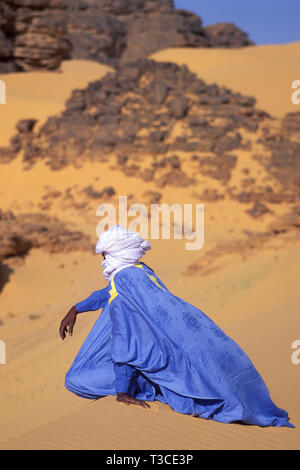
[41, 94]
[265, 72]
[255, 301]
[36, 411]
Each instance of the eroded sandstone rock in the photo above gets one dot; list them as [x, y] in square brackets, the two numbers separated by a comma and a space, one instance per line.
[18, 234]
[41, 33]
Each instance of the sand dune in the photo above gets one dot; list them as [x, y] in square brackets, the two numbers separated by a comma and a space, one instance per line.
[255, 300]
[265, 72]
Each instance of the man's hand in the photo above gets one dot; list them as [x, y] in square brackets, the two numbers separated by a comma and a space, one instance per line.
[128, 400]
[67, 323]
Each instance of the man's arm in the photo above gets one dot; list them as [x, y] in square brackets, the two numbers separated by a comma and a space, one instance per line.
[95, 301]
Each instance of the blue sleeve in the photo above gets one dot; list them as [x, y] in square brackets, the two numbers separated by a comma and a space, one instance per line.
[95, 301]
[124, 375]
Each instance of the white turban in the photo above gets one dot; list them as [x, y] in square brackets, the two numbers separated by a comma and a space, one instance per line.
[121, 248]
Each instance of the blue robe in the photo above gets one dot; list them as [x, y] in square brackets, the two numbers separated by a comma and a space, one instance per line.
[159, 347]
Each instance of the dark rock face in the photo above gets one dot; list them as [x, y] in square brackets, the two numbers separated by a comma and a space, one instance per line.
[134, 112]
[258, 210]
[6, 39]
[151, 31]
[19, 234]
[26, 125]
[35, 36]
[282, 159]
[227, 35]
[108, 191]
[218, 167]
[41, 33]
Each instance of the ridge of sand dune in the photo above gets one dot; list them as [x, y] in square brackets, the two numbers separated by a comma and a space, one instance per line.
[265, 72]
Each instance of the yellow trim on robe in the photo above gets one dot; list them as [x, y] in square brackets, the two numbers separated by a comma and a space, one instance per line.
[113, 291]
[153, 278]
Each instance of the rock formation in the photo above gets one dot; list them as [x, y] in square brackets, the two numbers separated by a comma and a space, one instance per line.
[18, 234]
[41, 33]
[227, 35]
[132, 113]
[145, 113]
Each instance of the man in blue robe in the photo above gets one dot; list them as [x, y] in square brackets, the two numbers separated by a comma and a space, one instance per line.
[149, 344]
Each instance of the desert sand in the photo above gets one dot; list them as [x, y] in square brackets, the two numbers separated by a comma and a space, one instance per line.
[254, 298]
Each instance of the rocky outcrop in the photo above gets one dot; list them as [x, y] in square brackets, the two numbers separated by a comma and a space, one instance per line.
[227, 35]
[159, 26]
[32, 36]
[7, 18]
[41, 33]
[282, 155]
[134, 112]
[143, 117]
[18, 234]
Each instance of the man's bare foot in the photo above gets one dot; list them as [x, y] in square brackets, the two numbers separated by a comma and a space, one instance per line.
[128, 400]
